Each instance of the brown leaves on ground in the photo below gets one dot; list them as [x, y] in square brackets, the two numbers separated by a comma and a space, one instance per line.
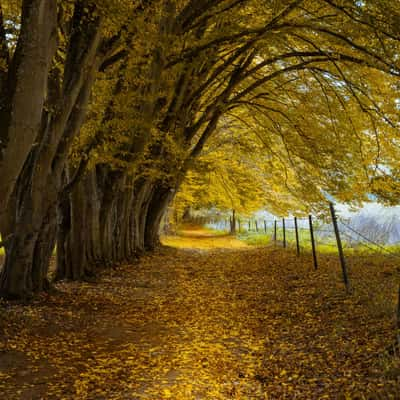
[221, 324]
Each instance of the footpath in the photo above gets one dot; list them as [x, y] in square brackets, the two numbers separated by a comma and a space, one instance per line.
[210, 318]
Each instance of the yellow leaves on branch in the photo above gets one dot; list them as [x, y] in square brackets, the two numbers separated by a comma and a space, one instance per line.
[315, 105]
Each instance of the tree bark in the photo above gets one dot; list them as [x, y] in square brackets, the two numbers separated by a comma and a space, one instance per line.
[78, 238]
[24, 94]
[233, 223]
[30, 213]
[44, 248]
[158, 205]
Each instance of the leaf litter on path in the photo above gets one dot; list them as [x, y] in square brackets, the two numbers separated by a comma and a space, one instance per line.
[216, 324]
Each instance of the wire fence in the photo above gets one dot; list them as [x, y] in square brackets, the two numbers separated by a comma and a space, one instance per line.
[357, 254]
[283, 231]
[365, 262]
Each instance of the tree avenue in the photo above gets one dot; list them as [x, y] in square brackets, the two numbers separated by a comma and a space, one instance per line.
[106, 106]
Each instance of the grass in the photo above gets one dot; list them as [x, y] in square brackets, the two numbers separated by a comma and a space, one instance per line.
[324, 245]
[255, 239]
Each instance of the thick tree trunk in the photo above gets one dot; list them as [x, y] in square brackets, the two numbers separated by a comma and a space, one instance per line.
[24, 94]
[93, 226]
[23, 225]
[44, 248]
[158, 205]
[78, 238]
[143, 194]
[31, 218]
[32, 213]
[32, 210]
[124, 245]
[93, 251]
[16, 280]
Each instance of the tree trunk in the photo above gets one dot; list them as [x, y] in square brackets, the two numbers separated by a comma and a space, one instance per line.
[32, 210]
[39, 183]
[78, 238]
[16, 276]
[24, 94]
[94, 225]
[143, 194]
[93, 252]
[158, 205]
[16, 279]
[63, 233]
[233, 223]
[44, 248]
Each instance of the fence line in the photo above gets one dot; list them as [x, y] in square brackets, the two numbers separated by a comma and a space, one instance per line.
[369, 240]
[323, 234]
[296, 233]
[290, 232]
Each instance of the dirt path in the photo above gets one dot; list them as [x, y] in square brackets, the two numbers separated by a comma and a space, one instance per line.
[220, 324]
[201, 239]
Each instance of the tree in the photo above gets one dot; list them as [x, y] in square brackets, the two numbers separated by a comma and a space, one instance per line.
[212, 65]
[228, 176]
[267, 72]
[309, 77]
[37, 134]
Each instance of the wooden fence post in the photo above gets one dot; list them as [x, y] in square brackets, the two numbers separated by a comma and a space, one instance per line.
[284, 232]
[340, 248]
[297, 236]
[239, 225]
[265, 226]
[275, 231]
[256, 225]
[249, 225]
[314, 252]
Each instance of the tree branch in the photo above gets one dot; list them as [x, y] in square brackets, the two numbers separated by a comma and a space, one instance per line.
[385, 66]
[258, 33]
[203, 20]
[193, 10]
[110, 61]
[376, 24]
[195, 152]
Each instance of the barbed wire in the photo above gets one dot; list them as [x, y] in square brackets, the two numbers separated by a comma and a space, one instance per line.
[267, 226]
[359, 243]
[384, 249]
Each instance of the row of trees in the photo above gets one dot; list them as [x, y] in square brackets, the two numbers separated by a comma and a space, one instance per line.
[105, 107]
